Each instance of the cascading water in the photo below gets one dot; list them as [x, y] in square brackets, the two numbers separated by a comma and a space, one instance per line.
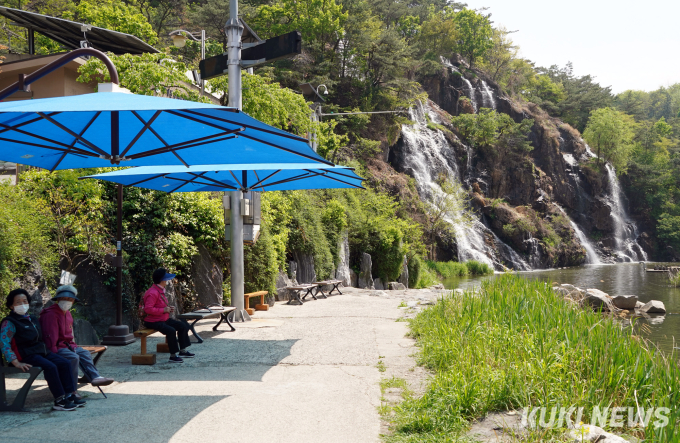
[427, 154]
[591, 255]
[625, 231]
[470, 89]
[487, 97]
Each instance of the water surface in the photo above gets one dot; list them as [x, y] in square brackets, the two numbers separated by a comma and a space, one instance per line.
[619, 279]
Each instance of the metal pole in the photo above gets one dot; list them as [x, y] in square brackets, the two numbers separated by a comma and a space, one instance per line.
[234, 30]
[202, 58]
[119, 255]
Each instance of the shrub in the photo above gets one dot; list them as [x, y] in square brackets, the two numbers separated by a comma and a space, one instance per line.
[427, 278]
[415, 266]
[478, 268]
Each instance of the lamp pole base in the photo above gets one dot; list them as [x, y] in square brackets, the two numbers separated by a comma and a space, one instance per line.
[119, 335]
[239, 315]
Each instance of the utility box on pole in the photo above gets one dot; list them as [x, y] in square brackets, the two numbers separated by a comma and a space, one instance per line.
[251, 214]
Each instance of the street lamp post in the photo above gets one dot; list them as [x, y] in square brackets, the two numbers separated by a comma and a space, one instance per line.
[179, 39]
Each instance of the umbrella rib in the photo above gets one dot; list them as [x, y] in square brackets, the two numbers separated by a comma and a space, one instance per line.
[142, 131]
[264, 179]
[289, 150]
[186, 182]
[54, 148]
[281, 133]
[329, 171]
[184, 145]
[78, 137]
[9, 128]
[39, 137]
[216, 182]
[293, 179]
[258, 180]
[347, 183]
[73, 144]
[237, 182]
[145, 180]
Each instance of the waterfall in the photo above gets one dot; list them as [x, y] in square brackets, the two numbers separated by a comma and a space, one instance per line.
[591, 255]
[487, 97]
[426, 155]
[625, 230]
[470, 89]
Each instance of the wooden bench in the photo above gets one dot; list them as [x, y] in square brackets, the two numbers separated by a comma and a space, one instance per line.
[20, 399]
[143, 358]
[262, 306]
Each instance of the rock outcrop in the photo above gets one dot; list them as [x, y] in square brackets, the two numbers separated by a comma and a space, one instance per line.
[207, 278]
[84, 333]
[403, 278]
[365, 280]
[343, 272]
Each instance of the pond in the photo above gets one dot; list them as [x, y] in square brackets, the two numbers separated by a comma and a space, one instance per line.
[618, 279]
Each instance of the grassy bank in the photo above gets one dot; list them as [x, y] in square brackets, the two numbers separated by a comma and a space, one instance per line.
[516, 344]
[448, 269]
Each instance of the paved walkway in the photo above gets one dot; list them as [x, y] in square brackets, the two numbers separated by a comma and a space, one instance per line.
[295, 374]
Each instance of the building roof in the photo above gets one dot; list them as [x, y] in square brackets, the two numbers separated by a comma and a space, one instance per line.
[70, 33]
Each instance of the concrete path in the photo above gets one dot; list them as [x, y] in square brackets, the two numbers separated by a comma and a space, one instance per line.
[295, 374]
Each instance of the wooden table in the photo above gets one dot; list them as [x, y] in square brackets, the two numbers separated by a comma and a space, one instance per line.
[212, 311]
[309, 288]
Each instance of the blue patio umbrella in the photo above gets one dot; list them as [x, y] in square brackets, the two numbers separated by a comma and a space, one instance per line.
[114, 128]
[246, 177]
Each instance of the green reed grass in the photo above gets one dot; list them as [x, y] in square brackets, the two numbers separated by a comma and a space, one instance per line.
[516, 344]
[448, 269]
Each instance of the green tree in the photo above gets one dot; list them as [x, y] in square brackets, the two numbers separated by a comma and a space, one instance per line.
[474, 34]
[114, 15]
[498, 59]
[611, 133]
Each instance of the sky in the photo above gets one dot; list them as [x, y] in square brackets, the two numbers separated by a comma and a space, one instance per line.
[623, 44]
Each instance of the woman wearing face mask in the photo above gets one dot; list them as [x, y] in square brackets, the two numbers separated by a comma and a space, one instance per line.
[57, 326]
[22, 345]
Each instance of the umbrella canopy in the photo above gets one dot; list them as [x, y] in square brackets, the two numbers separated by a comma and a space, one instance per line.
[246, 177]
[115, 128]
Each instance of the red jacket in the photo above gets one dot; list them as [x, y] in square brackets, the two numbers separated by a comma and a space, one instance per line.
[154, 304]
[57, 328]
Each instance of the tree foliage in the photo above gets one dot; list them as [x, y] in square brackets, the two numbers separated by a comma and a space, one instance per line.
[610, 133]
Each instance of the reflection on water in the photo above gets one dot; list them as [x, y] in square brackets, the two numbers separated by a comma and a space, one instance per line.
[619, 279]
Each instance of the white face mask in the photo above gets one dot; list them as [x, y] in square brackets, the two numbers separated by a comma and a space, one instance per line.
[21, 309]
[65, 305]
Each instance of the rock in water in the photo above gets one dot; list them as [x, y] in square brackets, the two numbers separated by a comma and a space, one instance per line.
[396, 286]
[365, 277]
[639, 304]
[403, 278]
[343, 272]
[589, 433]
[207, 277]
[626, 302]
[654, 307]
[83, 333]
[377, 284]
[599, 300]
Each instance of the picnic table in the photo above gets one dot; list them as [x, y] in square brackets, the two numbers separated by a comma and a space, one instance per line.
[211, 311]
[321, 284]
[296, 290]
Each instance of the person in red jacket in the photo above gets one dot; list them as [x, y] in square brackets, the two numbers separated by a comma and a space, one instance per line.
[57, 325]
[158, 310]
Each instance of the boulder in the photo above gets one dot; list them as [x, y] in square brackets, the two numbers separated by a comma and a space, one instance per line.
[403, 278]
[396, 286]
[437, 286]
[639, 304]
[569, 287]
[626, 302]
[305, 267]
[36, 303]
[365, 280]
[206, 275]
[561, 291]
[653, 307]
[343, 271]
[589, 433]
[282, 281]
[598, 300]
[378, 285]
[83, 333]
[353, 279]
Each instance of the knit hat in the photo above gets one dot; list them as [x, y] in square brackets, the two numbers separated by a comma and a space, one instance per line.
[66, 291]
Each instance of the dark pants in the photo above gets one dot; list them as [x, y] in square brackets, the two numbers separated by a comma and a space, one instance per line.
[172, 329]
[57, 372]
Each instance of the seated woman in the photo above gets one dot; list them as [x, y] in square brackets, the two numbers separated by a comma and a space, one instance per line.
[22, 345]
[158, 310]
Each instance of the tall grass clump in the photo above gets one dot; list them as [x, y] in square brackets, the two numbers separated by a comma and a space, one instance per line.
[516, 344]
[448, 269]
[478, 268]
[426, 278]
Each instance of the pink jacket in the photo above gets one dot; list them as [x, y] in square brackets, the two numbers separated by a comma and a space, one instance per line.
[57, 328]
[154, 303]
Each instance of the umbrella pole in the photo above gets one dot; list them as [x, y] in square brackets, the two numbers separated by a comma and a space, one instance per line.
[234, 30]
[119, 334]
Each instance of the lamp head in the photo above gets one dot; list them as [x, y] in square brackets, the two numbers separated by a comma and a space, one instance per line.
[178, 40]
